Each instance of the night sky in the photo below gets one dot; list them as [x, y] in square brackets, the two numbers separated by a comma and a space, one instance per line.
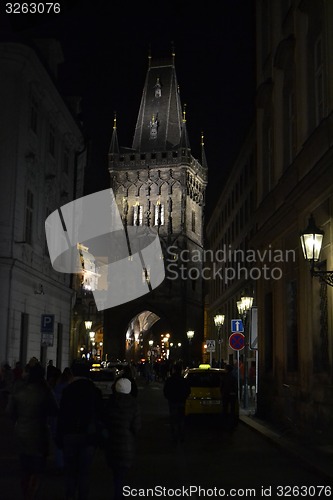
[106, 46]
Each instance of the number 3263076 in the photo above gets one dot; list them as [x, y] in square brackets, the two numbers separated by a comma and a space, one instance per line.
[32, 8]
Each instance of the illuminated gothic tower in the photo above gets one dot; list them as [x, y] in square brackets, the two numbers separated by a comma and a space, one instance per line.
[158, 183]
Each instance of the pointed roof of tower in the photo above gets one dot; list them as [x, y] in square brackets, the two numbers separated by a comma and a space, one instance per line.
[114, 146]
[159, 124]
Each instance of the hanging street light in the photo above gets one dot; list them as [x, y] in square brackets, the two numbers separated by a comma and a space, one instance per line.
[243, 306]
[190, 335]
[311, 241]
[88, 325]
[219, 320]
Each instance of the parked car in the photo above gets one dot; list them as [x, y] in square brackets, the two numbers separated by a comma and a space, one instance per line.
[205, 394]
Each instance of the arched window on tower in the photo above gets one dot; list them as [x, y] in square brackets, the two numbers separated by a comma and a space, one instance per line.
[137, 215]
[159, 214]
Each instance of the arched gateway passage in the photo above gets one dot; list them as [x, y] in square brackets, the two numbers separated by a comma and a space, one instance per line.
[138, 332]
[149, 336]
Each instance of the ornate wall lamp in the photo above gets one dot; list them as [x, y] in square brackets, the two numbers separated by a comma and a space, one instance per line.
[190, 335]
[311, 241]
[219, 320]
[244, 305]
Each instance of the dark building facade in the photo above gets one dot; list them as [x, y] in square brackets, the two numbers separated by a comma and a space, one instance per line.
[158, 183]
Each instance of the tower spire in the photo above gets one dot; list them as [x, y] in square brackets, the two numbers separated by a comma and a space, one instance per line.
[203, 154]
[149, 55]
[114, 146]
[173, 53]
[184, 140]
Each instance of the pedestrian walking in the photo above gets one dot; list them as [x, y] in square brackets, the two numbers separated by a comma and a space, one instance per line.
[252, 377]
[123, 421]
[6, 383]
[52, 373]
[30, 406]
[65, 378]
[176, 390]
[128, 373]
[81, 408]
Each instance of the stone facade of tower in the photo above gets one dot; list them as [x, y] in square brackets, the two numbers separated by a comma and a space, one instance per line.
[159, 184]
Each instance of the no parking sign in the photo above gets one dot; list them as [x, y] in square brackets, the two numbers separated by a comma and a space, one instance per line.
[237, 341]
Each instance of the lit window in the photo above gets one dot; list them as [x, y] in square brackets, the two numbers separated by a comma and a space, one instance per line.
[159, 215]
[137, 215]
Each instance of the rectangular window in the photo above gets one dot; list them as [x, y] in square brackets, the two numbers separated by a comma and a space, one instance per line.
[46, 249]
[24, 330]
[268, 329]
[65, 162]
[321, 334]
[52, 141]
[59, 344]
[159, 215]
[33, 114]
[292, 327]
[267, 173]
[29, 210]
[193, 221]
[266, 29]
[319, 80]
[137, 215]
[292, 126]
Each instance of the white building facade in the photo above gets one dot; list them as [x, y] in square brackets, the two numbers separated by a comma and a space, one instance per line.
[42, 157]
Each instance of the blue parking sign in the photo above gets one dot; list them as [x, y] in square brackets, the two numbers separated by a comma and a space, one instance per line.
[47, 323]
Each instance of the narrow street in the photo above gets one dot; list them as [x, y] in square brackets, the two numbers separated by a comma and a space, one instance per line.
[244, 464]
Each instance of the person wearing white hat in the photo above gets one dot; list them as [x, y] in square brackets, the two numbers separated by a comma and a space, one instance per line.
[123, 421]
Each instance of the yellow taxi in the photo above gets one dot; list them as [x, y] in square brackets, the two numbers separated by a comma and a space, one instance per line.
[205, 385]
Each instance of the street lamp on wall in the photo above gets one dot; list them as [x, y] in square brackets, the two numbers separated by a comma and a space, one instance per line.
[243, 306]
[219, 320]
[88, 325]
[151, 343]
[311, 241]
[92, 343]
[190, 335]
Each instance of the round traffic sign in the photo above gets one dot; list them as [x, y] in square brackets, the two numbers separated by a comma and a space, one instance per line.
[237, 341]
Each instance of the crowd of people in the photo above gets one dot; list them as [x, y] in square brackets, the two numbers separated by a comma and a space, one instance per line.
[65, 410]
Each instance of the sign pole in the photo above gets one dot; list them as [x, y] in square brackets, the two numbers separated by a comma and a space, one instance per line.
[238, 376]
[210, 358]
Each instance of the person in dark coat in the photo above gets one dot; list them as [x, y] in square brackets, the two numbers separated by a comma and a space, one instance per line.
[128, 373]
[123, 421]
[81, 408]
[30, 406]
[229, 393]
[176, 390]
